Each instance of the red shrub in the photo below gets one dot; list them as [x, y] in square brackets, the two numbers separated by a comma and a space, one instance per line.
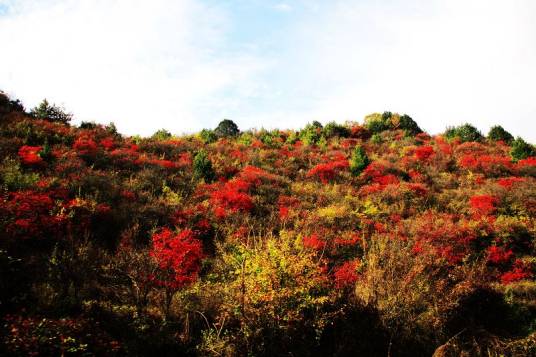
[519, 272]
[498, 255]
[85, 146]
[508, 182]
[483, 204]
[327, 172]
[178, 256]
[314, 242]
[423, 153]
[107, 143]
[346, 274]
[231, 197]
[29, 155]
[528, 162]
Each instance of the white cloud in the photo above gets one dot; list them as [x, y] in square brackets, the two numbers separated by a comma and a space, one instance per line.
[144, 65]
[442, 62]
[164, 63]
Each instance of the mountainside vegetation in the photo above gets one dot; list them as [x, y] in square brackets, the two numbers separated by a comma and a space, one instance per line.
[355, 239]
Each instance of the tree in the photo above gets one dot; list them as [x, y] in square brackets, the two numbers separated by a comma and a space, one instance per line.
[226, 128]
[409, 125]
[203, 167]
[333, 129]
[465, 133]
[7, 105]
[521, 149]
[178, 256]
[51, 113]
[497, 133]
[161, 134]
[376, 123]
[359, 161]
[208, 136]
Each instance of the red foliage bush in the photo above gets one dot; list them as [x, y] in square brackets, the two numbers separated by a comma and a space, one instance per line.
[178, 256]
[520, 271]
[346, 274]
[314, 242]
[107, 143]
[231, 197]
[85, 146]
[508, 182]
[29, 155]
[483, 204]
[499, 255]
[327, 172]
[490, 164]
[30, 215]
[423, 153]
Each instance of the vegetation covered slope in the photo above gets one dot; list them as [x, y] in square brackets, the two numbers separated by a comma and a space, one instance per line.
[367, 239]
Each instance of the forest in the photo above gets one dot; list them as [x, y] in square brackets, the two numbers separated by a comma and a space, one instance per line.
[369, 238]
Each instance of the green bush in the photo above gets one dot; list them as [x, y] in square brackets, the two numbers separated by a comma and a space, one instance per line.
[208, 136]
[332, 129]
[521, 149]
[311, 134]
[497, 133]
[465, 133]
[161, 134]
[359, 161]
[409, 125]
[203, 167]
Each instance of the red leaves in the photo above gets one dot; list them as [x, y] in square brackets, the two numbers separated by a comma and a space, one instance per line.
[30, 215]
[29, 155]
[520, 271]
[85, 146]
[178, 256]
[327, 172]
[107, 143]
[346, 274]
[508, 182]
[314, 242]
[499, 255]
[423, 153]
[528, 162]
[231, 197]
[492, 164]
[483, 205]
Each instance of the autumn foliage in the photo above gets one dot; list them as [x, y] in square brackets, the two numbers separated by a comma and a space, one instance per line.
[370, 238]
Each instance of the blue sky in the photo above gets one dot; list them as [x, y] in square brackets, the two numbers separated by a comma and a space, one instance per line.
[184, 65]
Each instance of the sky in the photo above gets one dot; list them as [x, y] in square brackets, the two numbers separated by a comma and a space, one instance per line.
[184, 65]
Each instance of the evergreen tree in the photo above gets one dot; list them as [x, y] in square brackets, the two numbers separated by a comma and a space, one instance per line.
[359, 161]
[203, 167]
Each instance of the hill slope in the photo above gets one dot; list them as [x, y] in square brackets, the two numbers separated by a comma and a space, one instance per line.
[356, 239]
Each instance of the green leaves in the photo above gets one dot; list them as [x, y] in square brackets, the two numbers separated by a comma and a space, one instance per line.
[359, 161]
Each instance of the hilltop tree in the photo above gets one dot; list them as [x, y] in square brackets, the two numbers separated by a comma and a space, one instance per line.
[409, 125]
[226, 128]
[51, 113]
[497, 133]
[465, 133]
[521, 149]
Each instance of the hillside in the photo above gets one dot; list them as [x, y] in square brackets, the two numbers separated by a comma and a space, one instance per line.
[362, 239]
